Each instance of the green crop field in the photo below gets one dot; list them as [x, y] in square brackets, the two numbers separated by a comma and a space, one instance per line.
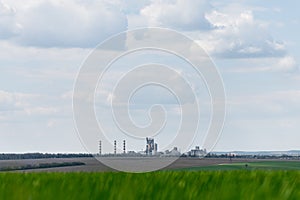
[240, 184]
[259, 165]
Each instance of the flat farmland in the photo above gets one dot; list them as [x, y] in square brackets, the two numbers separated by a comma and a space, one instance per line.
[93, 165]
[186, 178]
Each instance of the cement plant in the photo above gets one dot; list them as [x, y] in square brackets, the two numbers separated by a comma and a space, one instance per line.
[151, 150]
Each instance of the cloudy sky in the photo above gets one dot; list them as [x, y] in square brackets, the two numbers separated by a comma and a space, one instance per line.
[254, 44]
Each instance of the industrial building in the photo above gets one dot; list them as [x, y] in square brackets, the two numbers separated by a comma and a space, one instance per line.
[174, 152]
[197, 152]
[151, 150]
[151, 147]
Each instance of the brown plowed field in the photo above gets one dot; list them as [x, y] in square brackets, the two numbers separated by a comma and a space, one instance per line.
[92, 165]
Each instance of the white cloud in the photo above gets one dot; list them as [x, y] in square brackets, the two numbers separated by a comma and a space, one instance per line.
[239, 35]
[53, 23]
[8, 25]
[226, 31]
[41, 110]
[67, 95]
[287, 63]
[27, 104]
[276, 104]
[14, 101]
[230, 31]
[147, 94]
[178, 14]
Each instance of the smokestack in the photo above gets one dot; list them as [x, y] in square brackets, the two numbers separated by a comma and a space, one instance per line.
[100, 147]
[115, 147]
[124, 146]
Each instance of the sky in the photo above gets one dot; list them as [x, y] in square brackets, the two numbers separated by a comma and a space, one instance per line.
[44, 43]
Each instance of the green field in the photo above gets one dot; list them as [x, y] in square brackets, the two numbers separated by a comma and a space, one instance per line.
[259, 165]
[241, 184]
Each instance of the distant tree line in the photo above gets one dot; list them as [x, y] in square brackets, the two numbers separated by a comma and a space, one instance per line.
[13, 156]
[41, 165]
[283, 156]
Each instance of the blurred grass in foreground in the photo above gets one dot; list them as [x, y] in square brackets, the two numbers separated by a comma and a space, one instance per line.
[241, 184]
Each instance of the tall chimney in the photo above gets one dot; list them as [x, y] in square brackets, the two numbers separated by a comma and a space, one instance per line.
[100, 147]
[124, 146]
[115, 147]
